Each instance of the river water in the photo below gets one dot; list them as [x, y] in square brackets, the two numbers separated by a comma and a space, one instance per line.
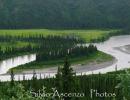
[109, 47]
[7, 64]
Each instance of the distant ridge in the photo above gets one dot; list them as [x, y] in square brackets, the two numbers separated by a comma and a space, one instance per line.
[64, 13]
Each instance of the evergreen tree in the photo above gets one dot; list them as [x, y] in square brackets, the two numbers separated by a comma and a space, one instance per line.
[58, 80]
[34, 81]
[12, 78]
[67, 78]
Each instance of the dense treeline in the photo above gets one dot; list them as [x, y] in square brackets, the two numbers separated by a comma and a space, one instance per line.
[43, 44]
[62, 52]
[64, 13]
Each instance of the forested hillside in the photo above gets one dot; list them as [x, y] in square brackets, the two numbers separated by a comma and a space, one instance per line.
[64, 13]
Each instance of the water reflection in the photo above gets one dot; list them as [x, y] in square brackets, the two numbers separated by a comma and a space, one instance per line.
[5, 65]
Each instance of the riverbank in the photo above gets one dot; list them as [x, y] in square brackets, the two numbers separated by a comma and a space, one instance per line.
[79, 68]
[95, 61]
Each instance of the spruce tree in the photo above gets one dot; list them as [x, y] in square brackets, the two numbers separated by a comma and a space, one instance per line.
[12, 78]
[67, 78]
[34, 81]
[58, 81]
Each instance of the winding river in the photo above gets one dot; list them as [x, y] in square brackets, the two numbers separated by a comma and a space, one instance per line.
[110, 47]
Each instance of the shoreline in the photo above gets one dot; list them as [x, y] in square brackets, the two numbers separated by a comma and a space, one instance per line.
[78, 68]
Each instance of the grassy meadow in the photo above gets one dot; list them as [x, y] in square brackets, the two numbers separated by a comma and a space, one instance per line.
[87, 35]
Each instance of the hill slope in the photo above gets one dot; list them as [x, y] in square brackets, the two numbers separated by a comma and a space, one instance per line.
[64, 13]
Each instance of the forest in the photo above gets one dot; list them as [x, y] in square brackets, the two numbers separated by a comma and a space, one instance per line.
[64, 14]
